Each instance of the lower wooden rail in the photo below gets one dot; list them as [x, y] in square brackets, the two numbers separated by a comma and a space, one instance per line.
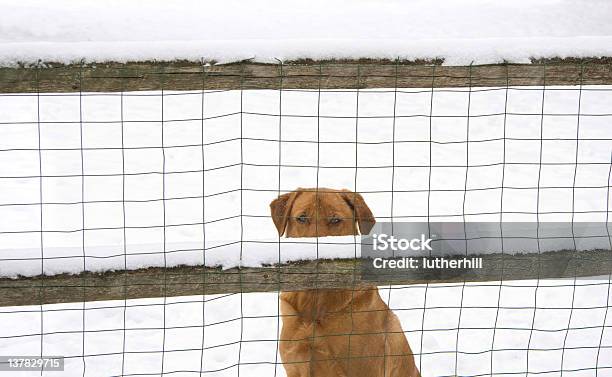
[344, 273]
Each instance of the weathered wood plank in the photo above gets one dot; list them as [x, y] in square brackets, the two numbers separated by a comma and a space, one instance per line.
[140, 76]
[183, 281]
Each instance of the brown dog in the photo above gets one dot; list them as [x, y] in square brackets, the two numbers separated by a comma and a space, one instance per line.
[336, 332]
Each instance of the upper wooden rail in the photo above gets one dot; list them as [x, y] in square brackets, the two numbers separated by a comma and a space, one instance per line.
[138, 76]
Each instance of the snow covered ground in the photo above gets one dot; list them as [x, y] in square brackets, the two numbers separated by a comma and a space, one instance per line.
[128, 225]
[461, 32]
[231, 335]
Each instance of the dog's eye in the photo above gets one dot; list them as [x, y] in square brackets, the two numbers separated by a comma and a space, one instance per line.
[334, 220]
[302, 218]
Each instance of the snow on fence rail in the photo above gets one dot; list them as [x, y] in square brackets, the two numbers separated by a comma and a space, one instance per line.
[319, 274]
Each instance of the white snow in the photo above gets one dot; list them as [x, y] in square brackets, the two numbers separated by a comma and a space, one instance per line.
[461, 32]
[571, 330]
[170, 232]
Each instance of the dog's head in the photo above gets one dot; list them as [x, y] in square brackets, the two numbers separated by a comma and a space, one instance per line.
[321, 212]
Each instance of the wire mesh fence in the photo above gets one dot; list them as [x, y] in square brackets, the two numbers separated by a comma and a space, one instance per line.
[121, 180]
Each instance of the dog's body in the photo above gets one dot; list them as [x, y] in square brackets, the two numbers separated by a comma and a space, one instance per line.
[336, 332]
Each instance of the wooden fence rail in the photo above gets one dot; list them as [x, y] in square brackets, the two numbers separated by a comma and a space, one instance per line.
[346, 273]
[114, 77]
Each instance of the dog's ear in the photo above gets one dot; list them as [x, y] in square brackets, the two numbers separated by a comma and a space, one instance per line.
[280, 209]
[363, 215]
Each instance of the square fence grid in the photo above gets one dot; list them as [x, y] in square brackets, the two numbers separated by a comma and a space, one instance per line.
[96, 180]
